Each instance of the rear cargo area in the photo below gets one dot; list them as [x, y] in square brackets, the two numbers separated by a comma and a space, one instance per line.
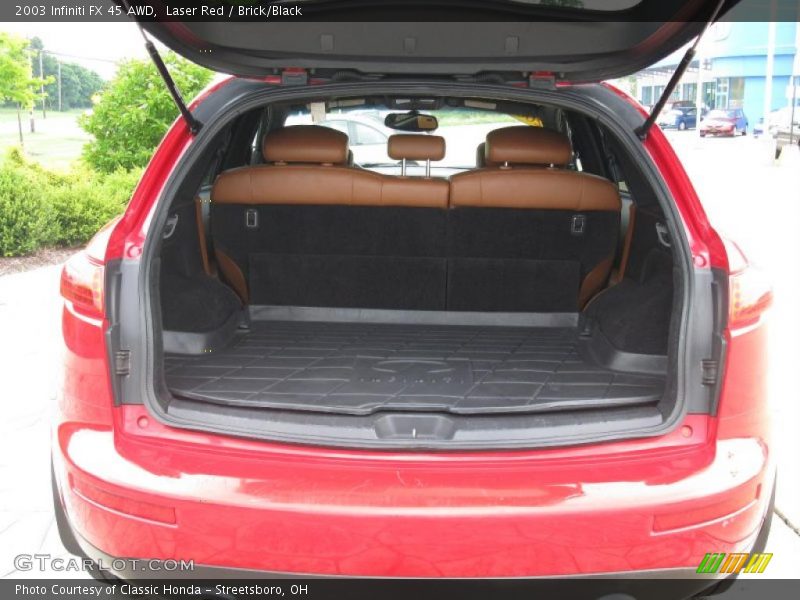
[361, 368]
[332, 296]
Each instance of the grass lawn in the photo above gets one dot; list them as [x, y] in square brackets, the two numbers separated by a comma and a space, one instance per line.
[10, 114]
[58, 140]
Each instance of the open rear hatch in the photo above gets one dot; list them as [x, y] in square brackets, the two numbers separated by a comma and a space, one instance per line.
[573, 41]
[406, 322]
[435, 314]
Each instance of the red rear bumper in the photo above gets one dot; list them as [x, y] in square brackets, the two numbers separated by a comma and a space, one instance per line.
[153, 492]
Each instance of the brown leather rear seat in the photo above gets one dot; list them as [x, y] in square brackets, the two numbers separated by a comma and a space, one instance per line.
[309, 230]
[526, 233]
[308, 164]
[519, 235]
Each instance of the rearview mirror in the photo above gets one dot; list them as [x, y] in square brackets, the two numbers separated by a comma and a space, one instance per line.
[411, 121]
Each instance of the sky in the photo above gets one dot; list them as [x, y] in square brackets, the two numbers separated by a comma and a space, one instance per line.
[96, 46]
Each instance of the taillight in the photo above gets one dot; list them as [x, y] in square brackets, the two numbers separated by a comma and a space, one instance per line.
[749, 288]
[82, 284]
[82, 278]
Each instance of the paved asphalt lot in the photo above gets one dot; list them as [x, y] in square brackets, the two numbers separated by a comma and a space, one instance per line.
[755, 203]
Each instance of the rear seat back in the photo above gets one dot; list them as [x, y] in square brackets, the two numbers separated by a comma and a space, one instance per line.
[309, 164]
[521, 235]
[527, 234]
[308, 230]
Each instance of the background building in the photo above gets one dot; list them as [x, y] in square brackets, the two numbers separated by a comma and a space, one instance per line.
[732, 67]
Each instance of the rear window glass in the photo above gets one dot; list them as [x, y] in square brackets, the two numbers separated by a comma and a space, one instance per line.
[463, 130]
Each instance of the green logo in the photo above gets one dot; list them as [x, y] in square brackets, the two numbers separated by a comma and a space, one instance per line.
[719, 562]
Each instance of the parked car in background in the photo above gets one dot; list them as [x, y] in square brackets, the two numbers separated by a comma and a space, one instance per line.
[681, 117]
[368, 137]
[785, 135]
[367, 134]
[681, 104]
[729, 121]
[780, 127]
[775, 117]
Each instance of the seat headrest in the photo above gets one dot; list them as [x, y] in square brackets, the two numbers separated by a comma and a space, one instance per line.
[306, 144]
[416, 147]
[480, 156]
[526, 145]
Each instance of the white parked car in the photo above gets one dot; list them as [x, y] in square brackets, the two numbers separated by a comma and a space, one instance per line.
[366, 131]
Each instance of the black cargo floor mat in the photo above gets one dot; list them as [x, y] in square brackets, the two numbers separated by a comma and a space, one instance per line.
[358, 368]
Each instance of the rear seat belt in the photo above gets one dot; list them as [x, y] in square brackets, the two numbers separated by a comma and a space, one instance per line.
[202, 211]
[216, 262]
[626, 225]
[618, 273]
[203, 215]
[621, 257]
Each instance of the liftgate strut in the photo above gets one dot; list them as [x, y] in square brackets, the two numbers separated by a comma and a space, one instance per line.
[644, 128]
[193, 124]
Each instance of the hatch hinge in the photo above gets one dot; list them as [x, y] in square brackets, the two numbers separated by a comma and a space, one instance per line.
[294, 76]
[710, 371]
[193, 124]
[645, 127]
[542, 80]
[122, 362]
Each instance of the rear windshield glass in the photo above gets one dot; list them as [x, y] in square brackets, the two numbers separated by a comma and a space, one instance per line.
[462, 129]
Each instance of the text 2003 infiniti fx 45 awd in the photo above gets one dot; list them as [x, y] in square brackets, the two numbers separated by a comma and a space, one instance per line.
[544, 362]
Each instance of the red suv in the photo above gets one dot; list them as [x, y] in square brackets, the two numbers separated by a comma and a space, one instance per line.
[545, 362]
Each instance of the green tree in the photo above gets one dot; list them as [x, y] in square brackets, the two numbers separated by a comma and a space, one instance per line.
[78, 84]
[135, 111]
[89, 84]
[17, 84]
